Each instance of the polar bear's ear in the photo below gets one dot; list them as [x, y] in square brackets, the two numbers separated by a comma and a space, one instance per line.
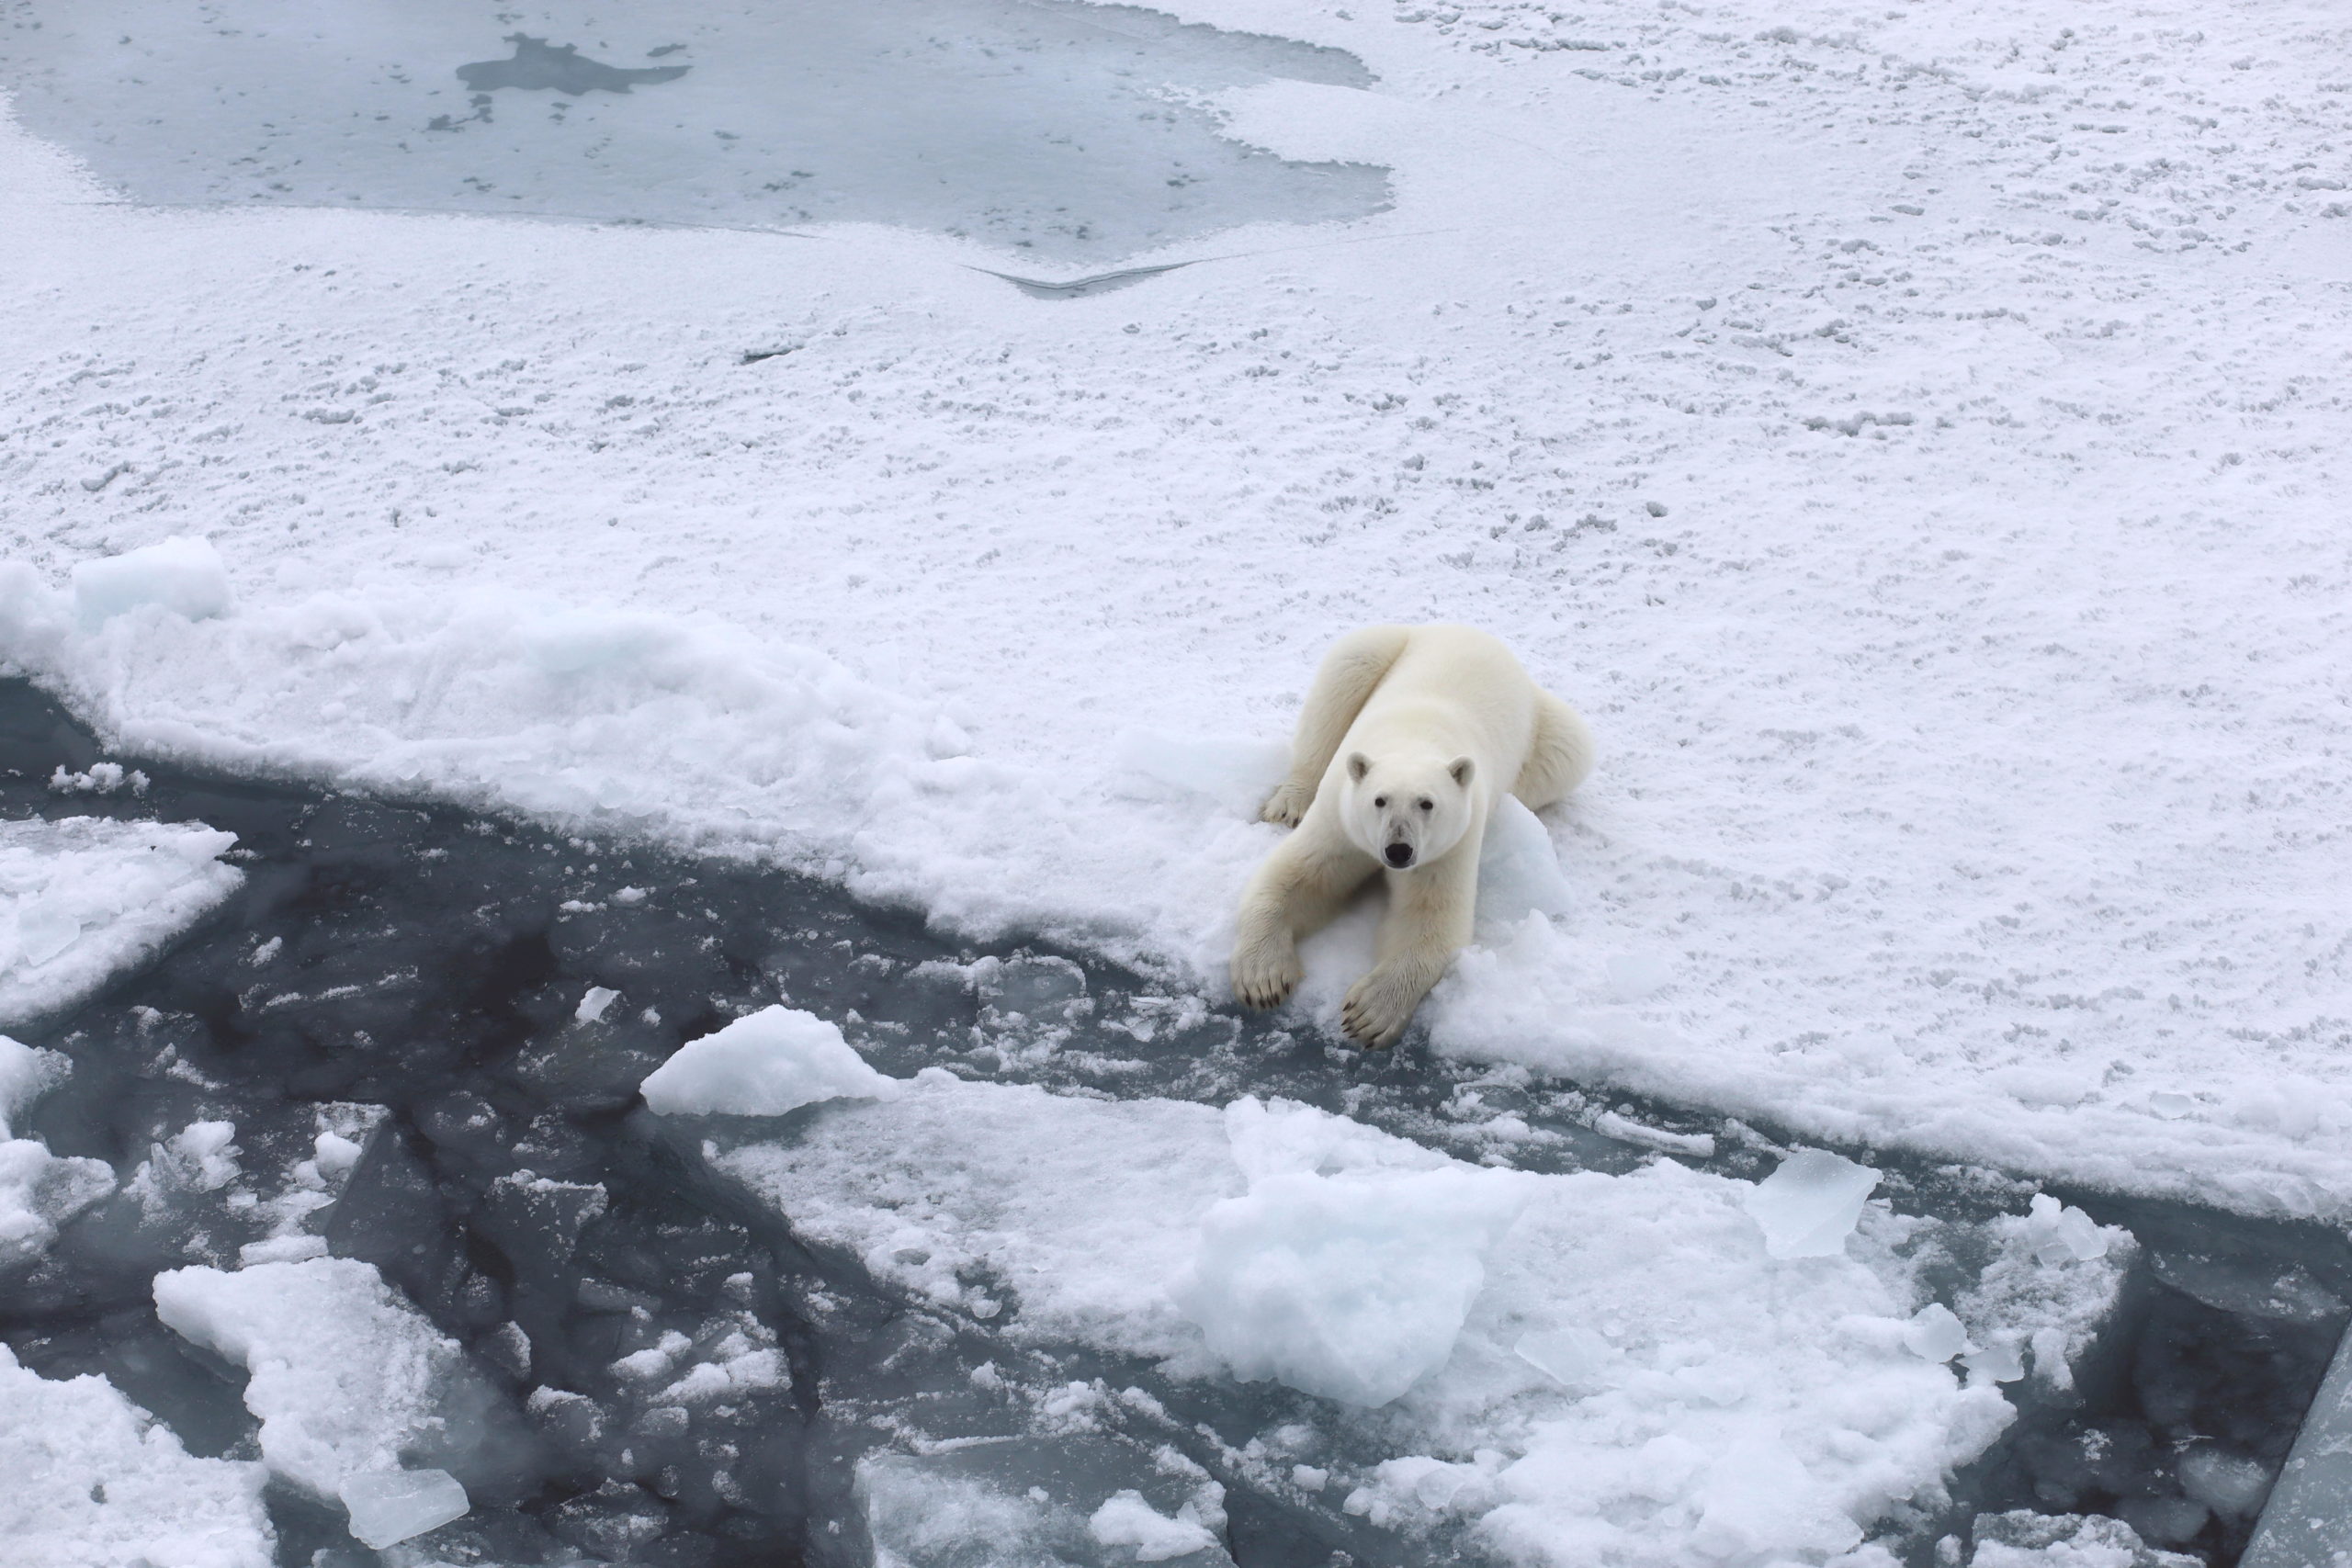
[1357, 765]
[1462, 769]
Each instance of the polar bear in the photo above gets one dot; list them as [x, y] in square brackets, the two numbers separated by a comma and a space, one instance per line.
[1407, 737]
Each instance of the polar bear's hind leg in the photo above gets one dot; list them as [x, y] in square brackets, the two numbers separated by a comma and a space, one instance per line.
[1355, 665]
[1558, 757]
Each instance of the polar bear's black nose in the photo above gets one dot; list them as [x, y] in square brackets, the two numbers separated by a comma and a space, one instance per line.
[1400, 856]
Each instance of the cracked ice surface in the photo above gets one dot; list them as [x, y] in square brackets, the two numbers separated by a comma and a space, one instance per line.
[1731, 1404]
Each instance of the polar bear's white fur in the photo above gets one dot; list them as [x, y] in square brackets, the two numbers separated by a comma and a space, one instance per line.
[1410, 736]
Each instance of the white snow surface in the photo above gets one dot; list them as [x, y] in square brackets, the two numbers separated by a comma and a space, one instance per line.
[84, 897]
[344, 1371]
[1638, 1379]
[1914, 436]
[94, 1482]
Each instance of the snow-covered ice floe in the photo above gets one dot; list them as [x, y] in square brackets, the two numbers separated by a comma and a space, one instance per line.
[349, 1381]
[94, 1482]
[690, 731]
[1580, 1368]
[84, 897]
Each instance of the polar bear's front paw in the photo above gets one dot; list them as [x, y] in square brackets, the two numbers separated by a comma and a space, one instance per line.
[1287, 805]
[1264, 976]
[1379, 1006]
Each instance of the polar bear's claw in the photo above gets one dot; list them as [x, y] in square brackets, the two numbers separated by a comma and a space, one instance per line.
[1377, 1009]
[1264, 979]
[1287, 805]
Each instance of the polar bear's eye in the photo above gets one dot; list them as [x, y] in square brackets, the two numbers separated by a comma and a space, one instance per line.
[1426, 803]
[1380, 803]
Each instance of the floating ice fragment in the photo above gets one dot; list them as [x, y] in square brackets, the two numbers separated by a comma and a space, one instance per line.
[1126, 1519]
[592, 1005]
[388, 1506]
[1809, 1206]
[1575, 1357]
[2063, 1234]
[1934, 1334]
[772, 1061]
[181, 574]
[1995, 1363]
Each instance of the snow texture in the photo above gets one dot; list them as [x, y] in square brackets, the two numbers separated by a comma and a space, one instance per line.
[1636, 1378]
[344, 1373]
[94, 1482]
[84, 898]
[774, 1060]
[1911, 435]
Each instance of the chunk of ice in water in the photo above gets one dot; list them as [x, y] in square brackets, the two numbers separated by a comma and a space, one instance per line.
[2063, 1234]
[1126, 1519]
[1575, 1357]
[1809, 1206]
[1995, 1363]
[1934, 1334]
[594, 1003]
[388, 1506]
[774, 1060]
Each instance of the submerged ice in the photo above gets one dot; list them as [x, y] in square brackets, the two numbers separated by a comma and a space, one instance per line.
[1068, 132]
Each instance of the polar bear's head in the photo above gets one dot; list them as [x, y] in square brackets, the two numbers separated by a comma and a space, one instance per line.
[1406, 811]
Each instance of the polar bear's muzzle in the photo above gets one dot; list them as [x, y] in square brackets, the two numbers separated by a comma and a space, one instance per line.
[1399, 855]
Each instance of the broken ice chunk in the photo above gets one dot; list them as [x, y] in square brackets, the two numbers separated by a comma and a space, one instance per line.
[1934, 1334]
[774, 1060]
[344, 1372]
[1126, 1519]
[2171, 1104]
[2063, 1234]
[1351, 1289]
[592, 1005]
[1995, 1363]
[1809, 1206]
[1575, 1357]
[388, 1506]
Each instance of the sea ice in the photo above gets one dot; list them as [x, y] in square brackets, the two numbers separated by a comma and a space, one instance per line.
[1349, 1287]
[1126, 1519]
[1029, 1501]
[774, 1060]
[84, 897]
[39, 1190]
[388, 1506]
[1935, 1334]
[182, 575]
[94, 1482]
[2307, 1518]
[344, 1373]
[1809, 1206]
[1781, 1423]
